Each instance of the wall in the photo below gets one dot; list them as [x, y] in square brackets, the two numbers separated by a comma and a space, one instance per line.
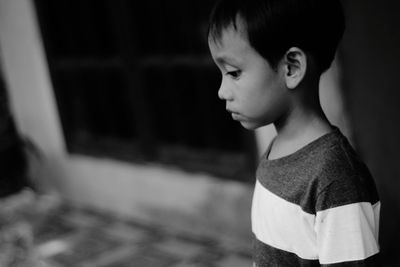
[371, 55]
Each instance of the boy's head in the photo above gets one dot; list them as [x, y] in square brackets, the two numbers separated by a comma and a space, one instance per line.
[274, 26]
[265, 48]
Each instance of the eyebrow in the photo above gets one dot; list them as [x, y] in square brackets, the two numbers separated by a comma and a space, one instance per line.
[227, 60]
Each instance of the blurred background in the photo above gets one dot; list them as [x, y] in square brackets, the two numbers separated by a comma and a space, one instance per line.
[116, 151]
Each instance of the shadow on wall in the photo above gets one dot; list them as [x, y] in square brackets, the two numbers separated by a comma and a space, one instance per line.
[370, 62]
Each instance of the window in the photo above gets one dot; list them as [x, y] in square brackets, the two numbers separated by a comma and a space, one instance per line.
[134, 81]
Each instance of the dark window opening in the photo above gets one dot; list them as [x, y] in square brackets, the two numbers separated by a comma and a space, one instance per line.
[134, 81]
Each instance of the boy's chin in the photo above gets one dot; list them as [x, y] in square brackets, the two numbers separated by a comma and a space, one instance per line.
[250, 125]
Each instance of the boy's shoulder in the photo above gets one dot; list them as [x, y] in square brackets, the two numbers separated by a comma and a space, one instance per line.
[335, 160]
[342, 176]
[324, 174]
[339, 175]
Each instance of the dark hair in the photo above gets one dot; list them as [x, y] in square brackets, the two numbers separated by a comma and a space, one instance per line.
[274, 26]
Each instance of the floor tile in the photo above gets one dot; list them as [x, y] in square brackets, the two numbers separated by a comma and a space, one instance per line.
[147, 258]
[180, 248]
[235, 261]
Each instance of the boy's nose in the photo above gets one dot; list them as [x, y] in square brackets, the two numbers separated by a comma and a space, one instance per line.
[224, 93]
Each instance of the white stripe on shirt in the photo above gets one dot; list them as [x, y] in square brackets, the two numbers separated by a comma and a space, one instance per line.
[348, 233]
[282, 224]
[344, 233]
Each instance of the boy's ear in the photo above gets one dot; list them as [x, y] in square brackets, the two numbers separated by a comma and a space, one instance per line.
[295, 64]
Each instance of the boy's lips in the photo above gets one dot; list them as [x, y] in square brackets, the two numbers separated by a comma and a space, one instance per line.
[235, 115]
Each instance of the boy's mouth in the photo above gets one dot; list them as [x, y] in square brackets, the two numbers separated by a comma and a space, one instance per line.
[235, 116]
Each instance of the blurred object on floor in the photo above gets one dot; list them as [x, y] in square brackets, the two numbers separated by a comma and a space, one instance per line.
[18, 217]
[42, 231]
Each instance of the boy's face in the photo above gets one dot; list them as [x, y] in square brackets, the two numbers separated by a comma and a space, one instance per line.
[255, 94]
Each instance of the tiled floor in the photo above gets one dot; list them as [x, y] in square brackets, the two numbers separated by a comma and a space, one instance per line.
[48, 233]
[77, 237]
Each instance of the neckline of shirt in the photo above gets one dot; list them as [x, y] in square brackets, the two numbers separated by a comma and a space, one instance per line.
[325, 139]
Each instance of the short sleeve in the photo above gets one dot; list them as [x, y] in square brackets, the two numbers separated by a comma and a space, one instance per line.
[347, 228]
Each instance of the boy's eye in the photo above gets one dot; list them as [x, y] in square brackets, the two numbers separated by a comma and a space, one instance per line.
[234, 74]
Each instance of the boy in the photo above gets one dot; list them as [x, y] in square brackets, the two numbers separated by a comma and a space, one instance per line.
[315, 203]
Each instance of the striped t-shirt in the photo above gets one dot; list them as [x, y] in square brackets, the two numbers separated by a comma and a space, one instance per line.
[317, 206]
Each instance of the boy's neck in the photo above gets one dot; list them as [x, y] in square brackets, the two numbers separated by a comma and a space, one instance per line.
[299, 128]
